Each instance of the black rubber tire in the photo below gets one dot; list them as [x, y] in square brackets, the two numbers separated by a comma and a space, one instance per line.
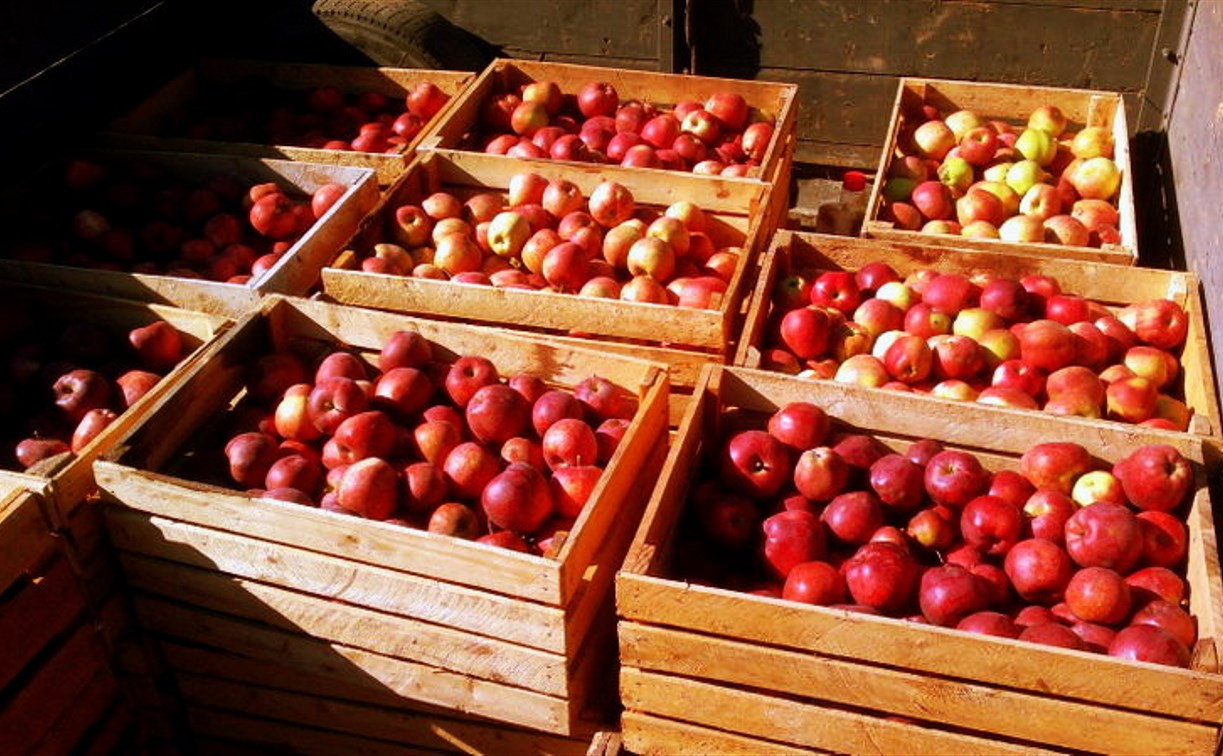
[401, 33]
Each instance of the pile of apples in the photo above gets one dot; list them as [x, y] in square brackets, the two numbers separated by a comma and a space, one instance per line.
[545, 234]
[967, 176]
[1060, 550]
[450, 448]
[137, 217]
[1014, 343]
[322, 118]
[722, 136]
[67, 381]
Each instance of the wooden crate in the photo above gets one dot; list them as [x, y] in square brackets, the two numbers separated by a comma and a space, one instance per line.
[683, 338]
[1113, 285]
[737, 665]
[1012, 103]
[458, 129]
[520, 639]
[64, 482]
[148, 125]
[57, 691]
[295, 273]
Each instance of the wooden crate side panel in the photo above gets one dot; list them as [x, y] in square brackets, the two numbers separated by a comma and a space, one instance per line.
[400, 726]
[333, 578]
[89, 710]
[374, 631]
[759, 715]
[415, 682]
[1021, 666]
[27, 540]
[238, 731]
[33, 619]
[643, 733]
[984, 709]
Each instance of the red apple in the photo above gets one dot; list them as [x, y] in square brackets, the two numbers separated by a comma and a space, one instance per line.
[815, 582]
[799, 425]
[899, 482]
[1039, 570]
[755, 464]
[953, 478]
[1155, 477]
[569, 442]
[854, 516]
[883, 576]
[1104, 535]
[518, 499]
[371, 488]
[790, 538]
[1148, 643]
[949, 593]
[1098, 594]
[1055, 465]
[991, 524]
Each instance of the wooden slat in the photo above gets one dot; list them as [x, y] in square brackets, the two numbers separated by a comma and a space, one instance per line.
[89, 710]
[403, 727]
[280, 736]
[884, 641]
[888, 691]
[644, 733]
[38, 614]
[415, 682]
[378, 632]
[25, 538]
[782, 719]
[331, 578]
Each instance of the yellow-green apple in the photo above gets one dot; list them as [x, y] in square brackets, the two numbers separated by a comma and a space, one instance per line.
[862, 370]
[820, 474]
[1131, 399]
[457, 253]
[1095, 178]
[836, 289]
[653, 256]
[1104, 535]
[933, 139]
[896, 292]
[898, 190]
[925, 321]
[877, 315]
[1048, 118]
[1165, 539]
[978, 145]
[1036, 145]
[672, 231]
[1160, 323]
[956, 174]
[974, 322]
[997, 346]
[790, 291]
[1095, 486]
[1154, 364]
[508, 232]
[883, 576]
[961, 122]
[546, 92]
[1092, 141]
[1098, 594]
[946, 227]
[1155, 477]
[954, 477]
[978, 204]
[1173, 410]
[1055, 464]
[1023, 175]
[1022, 229]
[1009, 198]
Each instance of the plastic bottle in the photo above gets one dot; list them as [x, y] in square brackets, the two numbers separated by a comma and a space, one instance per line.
[845, 216]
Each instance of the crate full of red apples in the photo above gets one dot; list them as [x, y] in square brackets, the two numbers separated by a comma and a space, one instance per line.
[646, 266]
[394, 503]
[846, 574]
[211, 233]
[1008, 168]
[83, 369]
[369, 117]
[1026, 332]
[640, 119]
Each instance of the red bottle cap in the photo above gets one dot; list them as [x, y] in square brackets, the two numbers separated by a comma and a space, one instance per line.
[853, 181]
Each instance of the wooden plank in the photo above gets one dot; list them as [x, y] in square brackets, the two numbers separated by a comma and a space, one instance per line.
[643, 733]
[88, 710]
[403, 727]
[25, 536]
[414, 682]
[796, 722]
[884, 641]
[332, 578]
[887, 691]
[378, 632]
[281, 736]
[32, 711]
[36, 616]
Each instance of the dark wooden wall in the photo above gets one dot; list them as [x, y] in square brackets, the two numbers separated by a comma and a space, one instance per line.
[1194, 161]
